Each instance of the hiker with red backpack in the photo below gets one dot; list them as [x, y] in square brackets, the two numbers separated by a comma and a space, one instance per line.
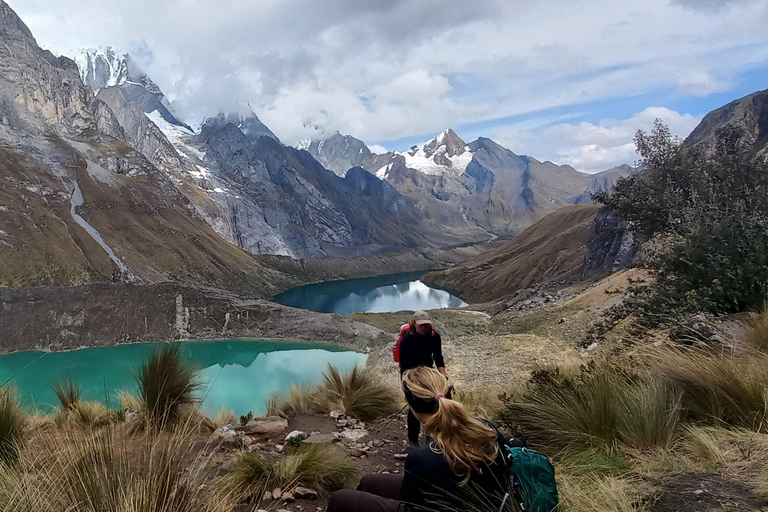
[419, 344]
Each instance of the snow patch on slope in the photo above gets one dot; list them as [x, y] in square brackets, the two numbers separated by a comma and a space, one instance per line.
[176, 135]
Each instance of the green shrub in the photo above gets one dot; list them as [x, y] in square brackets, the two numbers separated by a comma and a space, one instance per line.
[167, 384]
[709, 212]
[11, 426]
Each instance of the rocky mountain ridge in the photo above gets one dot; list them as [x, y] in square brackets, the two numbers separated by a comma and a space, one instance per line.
[480, 185]
[79, 202]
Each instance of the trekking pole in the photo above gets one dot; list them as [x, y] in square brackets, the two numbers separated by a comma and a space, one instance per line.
[391, 417]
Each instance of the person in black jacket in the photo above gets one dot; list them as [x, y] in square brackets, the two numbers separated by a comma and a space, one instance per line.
[462, 469]
[420, 346]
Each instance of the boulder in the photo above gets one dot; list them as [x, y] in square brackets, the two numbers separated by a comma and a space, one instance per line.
[320, 439]
[268, 427]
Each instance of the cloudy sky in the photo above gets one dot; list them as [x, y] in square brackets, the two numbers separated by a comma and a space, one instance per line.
[563, 80]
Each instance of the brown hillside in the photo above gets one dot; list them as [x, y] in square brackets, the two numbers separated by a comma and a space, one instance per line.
[552, 249]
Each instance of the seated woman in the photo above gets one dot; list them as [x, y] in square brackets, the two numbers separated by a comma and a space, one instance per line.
[462, 469]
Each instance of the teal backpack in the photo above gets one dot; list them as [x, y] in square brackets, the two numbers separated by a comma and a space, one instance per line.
[533, 480]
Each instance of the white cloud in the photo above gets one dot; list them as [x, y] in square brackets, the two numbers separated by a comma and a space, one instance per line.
[385, 69]
[592, 147]
[378, 149]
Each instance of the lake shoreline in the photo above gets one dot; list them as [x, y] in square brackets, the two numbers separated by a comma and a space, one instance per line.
[66, 318]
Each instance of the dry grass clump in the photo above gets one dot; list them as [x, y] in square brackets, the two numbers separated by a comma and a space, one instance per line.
[602, 406]
[224, 417]
[314, 466]
[480, 402]
[102, 472]
[12, 426]
[75, 412]
[84, 414]
[718, 388]
[593, 493]
[757, 330]
[360, 394]
[167, 387]
[67, 393]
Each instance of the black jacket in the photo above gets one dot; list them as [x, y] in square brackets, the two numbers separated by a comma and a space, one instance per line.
[429, 483]
[421, 350]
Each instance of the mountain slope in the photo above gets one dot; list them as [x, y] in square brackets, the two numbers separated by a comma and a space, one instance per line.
[749, 113]
[553, 249]
[478, 190]
[339, 153]
[79, 203]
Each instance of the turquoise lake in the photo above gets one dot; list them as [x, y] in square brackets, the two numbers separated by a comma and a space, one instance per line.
[382, 294]
[239, 375]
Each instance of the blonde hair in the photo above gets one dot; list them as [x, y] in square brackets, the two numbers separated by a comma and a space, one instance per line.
[464, 441]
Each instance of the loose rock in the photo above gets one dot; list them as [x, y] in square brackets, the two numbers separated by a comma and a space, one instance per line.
[266, 427]
[302, 493]
[295, 433]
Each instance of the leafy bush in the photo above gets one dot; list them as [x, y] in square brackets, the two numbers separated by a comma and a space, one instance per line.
[11, 426]
[314, 466]
[167, 384]
[245, 418]
[709, 212]
[359, 393]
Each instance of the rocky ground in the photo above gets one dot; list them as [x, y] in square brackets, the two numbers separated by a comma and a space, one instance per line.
[377, 447]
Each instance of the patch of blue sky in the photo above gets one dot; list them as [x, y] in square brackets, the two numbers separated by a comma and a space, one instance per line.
[749, 81]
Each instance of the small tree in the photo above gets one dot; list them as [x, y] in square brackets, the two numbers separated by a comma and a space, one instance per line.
[708, 209]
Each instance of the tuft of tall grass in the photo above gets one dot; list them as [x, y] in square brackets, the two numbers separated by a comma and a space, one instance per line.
[12, 426]
[314, 466]
[84, 414]
[224, 417]
[67, 393]
[651, 414]
[718, 388]
[596, 494]
[756, 335]
[602, 406]
[102, 472]
[359, 393]
[167, 384]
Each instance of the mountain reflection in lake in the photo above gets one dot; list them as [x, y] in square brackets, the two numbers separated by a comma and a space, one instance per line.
[396, 292]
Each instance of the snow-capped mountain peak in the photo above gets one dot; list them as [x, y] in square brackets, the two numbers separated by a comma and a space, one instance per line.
[102, 67]
[445, 153]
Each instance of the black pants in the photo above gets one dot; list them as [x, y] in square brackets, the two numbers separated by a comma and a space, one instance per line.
[376, 493]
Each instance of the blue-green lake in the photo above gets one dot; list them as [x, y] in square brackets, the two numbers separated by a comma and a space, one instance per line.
[382, 294]
[239, 375]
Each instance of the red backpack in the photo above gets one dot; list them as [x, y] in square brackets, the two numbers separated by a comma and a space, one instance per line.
[405, 329]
